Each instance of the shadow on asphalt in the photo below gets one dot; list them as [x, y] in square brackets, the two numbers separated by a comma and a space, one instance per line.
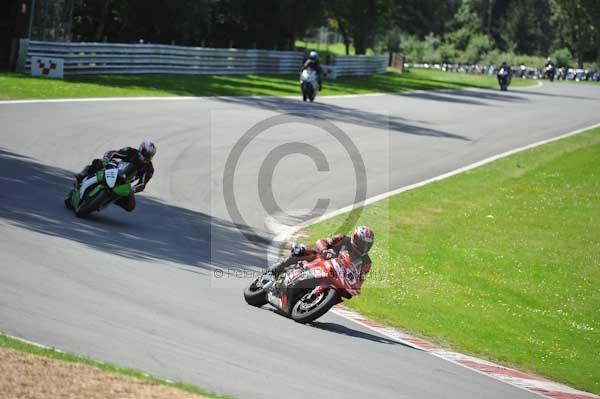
[470, 97]
[337, 113]
[31, 197]
[340, 329]
[343, 330]
[546, 94]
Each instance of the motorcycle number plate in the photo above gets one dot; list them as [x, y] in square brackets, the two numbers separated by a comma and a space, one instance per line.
[111, 176]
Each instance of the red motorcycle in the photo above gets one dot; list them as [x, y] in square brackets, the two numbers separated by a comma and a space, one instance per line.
[307, 290]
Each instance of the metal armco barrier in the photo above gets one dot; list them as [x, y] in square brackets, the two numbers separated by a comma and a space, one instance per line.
[360, 64]
[112, 58]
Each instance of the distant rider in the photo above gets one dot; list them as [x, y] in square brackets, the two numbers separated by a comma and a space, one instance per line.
[313, 63]
[142, 159]
[549, 69]
[357, 244]
[508, 71]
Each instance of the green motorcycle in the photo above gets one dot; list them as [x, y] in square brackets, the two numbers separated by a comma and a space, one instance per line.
[97, 191]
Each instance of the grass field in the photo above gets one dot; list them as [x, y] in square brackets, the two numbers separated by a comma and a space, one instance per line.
[8, 342]
[501, 262]
[13, 86]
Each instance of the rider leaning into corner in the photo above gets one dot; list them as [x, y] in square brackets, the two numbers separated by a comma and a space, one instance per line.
[313, 63]
[142, 159]
[357, 244]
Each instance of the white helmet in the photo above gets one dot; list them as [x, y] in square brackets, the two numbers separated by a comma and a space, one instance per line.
[147, 150]
[362, 239]
[313, 55]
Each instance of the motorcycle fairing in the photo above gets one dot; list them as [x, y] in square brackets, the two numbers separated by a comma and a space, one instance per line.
[86, 183]
[296, 281]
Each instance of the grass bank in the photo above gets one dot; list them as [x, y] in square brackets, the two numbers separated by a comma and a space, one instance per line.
[501, 262]
[11, 343]
[14, 86]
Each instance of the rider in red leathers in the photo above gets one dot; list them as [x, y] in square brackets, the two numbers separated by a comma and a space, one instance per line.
[357, 244]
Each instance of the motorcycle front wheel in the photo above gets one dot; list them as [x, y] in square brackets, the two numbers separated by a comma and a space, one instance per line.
[310, 308]
[91, 205]
[255, 294]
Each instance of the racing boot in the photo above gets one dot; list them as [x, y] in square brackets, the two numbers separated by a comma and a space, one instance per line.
[83, 174]
[94, 167]
[68, 201]
[297, 251]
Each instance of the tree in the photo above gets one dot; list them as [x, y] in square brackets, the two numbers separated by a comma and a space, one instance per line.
[465, 24]
[577, 24]
[358, 19]
[526, 28]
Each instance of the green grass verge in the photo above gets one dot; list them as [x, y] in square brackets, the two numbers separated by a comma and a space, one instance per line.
[501, 262]
[8, 342]
[333, 48]
[14, 86]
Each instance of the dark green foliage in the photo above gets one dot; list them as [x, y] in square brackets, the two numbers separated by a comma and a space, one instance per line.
[456, 30]
[578, 26]
[268, 24]
[483, 31]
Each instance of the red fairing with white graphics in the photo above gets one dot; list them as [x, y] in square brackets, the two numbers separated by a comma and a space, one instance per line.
[310, 288]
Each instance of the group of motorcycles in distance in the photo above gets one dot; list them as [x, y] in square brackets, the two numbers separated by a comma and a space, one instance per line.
[521, 71]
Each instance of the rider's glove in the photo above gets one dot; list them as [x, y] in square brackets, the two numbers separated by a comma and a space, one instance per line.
[328, 254]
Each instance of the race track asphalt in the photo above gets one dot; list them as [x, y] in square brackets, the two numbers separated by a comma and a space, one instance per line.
[145, 290]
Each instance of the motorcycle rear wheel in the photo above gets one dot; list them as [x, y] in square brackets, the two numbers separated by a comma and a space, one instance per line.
[307, 310]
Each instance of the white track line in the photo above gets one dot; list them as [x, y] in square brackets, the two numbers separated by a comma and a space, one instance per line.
[30, 342]
[287, 232]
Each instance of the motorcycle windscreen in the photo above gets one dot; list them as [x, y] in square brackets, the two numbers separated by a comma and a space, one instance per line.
[110, 175]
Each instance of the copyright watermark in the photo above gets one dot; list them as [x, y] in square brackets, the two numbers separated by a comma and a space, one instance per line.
[282, 172]
[276, 156]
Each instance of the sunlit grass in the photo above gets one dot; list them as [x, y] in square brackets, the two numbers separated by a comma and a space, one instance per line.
[501, 262]
[14, 86]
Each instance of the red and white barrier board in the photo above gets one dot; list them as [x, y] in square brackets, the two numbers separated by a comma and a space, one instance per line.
[47, 67]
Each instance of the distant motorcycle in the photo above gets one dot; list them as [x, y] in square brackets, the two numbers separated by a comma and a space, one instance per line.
[308, 84]
[98, 191]
[307, 290]
[550, 72]
[503, 79]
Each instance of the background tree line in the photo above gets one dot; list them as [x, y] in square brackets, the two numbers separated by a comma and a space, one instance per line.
[465, 31]
[520, 31]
